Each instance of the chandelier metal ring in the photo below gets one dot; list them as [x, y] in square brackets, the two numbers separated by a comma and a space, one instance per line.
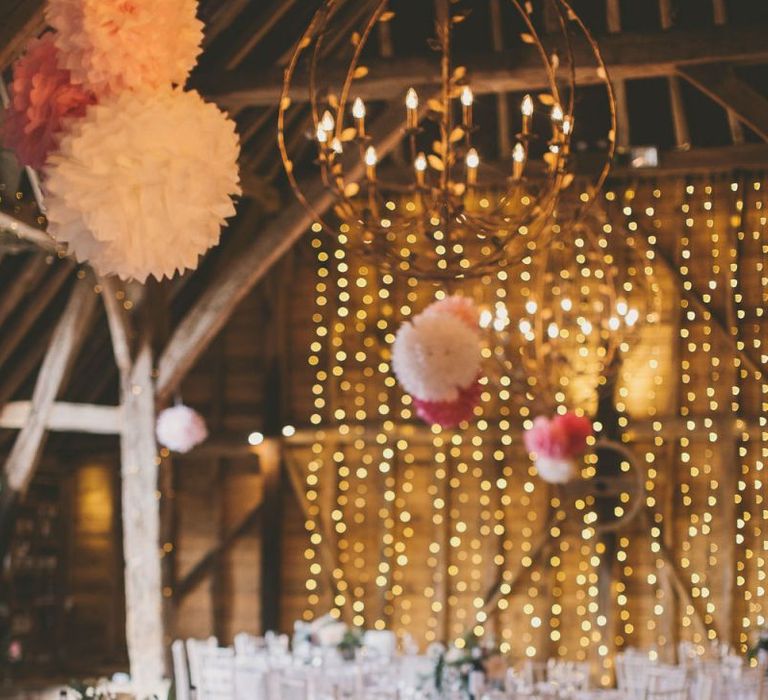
[441, 218]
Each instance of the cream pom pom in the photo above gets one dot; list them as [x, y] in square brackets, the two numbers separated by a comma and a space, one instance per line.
[435, 356]
[114, 45]
[180, 429]
[142, 184]
[556, 470]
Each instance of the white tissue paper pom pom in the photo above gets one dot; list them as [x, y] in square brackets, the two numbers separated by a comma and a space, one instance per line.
[180, 429]
[555, 470]
[114, 45]
[143, 183]
[435, 356]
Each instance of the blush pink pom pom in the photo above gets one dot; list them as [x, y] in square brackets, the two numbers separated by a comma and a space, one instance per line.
[42, 98]
[449, 414]
[562, 437]
[462, 307]
[180, 429]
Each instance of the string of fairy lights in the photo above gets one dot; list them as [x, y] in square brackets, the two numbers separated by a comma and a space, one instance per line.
[433, 514]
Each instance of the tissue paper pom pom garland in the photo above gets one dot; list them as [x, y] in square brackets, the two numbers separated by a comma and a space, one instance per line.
[114, 45]
[42, 98]
[556, 444]
[435, 356]
[449, 414]
[180, 429]
[142, 184]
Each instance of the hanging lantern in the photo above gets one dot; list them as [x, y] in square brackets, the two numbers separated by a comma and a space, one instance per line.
[445, 214]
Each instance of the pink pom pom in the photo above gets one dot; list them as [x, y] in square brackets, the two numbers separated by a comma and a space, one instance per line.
[461, 307]
[573, 432]
[42, 98]
[448, 414]
[180, 429]
[563, 437]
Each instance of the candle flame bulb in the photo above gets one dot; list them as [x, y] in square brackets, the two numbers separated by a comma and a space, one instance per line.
[518, 160]
[557, 113]
[322, 136]
[358, 109]
[527, 107]
[473, 161]
[467, 97]
[412, 105]
[567, 125]
[327, 122]
[370, 157]
[527, 110]
[421, 166]
[337, 147]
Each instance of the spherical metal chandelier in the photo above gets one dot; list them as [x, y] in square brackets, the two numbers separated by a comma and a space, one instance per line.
[443, 212]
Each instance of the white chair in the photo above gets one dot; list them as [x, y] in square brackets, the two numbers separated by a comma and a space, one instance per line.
[632, 673]
[195, 649]
[677, 694]
[292, 688]
[180, 671]
[217, 674]
[250, 678]
[248, 644]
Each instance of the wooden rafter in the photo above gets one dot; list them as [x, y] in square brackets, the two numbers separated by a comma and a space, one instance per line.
[628, 56]
[18, 25]
[65, 417]
[217, 303]
[35, 309]
[58, 362]
[720, 82]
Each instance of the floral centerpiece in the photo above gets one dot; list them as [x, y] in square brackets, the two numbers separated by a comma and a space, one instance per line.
[327, 632]
[459, 662]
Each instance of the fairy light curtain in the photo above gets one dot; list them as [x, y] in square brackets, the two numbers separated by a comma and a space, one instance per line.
[409, 526]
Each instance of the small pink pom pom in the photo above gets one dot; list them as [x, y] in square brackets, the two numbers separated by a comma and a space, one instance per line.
[448, 414]
[562, 437]
[180, 429]
[461, 307]
[42, 98]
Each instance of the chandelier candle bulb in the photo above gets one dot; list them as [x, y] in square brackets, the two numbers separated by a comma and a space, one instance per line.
[527, 111]
[412, 107]
[358, 112]
[473, 162]
[467, 100]
[420, 165]
[371, 159]
[518, 161]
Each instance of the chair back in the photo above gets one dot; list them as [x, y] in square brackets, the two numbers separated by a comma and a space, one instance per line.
[217, 674]
[250, 678]
[195, 649]
[180, 671]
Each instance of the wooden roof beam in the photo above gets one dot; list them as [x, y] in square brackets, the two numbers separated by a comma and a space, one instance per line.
[62, 351]
[720, 82]
[628, 56]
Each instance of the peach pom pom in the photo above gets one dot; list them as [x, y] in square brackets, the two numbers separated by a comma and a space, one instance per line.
[462, 308]
[114, 45]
